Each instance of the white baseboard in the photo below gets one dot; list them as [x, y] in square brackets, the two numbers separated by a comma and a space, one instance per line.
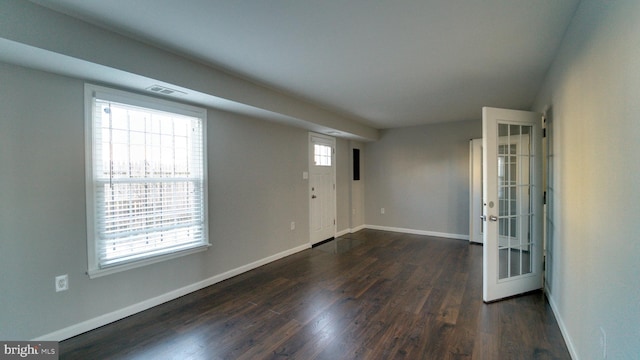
[563, 328]
[105, 319]
[418, 232]
[343, 232]
[350, 231]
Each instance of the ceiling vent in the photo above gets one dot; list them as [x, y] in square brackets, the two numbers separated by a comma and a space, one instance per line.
[165, 90]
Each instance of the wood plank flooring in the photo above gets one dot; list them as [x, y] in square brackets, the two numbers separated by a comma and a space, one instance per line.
[368, 295]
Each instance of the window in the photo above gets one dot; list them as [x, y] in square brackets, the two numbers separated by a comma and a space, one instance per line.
[146, 180]
[322, 155]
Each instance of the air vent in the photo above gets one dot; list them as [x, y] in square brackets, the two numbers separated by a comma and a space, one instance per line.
[165, 90]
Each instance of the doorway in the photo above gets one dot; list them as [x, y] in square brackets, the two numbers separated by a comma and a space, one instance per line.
[322, 188]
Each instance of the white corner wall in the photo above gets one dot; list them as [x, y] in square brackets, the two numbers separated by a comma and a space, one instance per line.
[592, 93]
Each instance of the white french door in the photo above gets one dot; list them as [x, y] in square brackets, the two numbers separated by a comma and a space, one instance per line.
[322, 191]
[512, 202]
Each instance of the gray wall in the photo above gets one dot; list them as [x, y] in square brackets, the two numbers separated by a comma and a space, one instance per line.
[343, 175]
[420, 175]
[593, 93]
[350, 193]
[256, 189]
[357, 188]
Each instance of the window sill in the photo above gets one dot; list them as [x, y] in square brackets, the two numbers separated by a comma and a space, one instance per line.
[96, 273]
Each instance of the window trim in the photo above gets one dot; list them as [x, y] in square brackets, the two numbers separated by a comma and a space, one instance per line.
[90, 93]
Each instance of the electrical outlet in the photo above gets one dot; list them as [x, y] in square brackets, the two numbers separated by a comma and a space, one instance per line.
[603, 342]
[62, 283]
[293, 225]
[382, 211]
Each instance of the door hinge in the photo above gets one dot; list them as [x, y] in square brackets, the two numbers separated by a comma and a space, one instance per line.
[544, 198]
[544, 132]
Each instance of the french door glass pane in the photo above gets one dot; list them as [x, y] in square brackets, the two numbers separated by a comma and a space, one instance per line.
[514, 192]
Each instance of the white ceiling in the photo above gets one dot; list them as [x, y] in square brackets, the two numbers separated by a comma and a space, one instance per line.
[387, 63]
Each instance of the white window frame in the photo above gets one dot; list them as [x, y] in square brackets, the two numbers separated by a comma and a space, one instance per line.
[92, 92]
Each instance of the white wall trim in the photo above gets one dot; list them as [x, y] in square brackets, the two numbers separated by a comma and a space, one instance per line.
[418, 232]
[105, 319]
[350, 231]
[343, 232]
[563, 329]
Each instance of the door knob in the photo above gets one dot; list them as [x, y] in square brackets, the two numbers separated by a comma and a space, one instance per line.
[493, 218]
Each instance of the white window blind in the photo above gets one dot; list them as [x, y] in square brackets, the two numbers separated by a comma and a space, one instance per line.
[148, 183]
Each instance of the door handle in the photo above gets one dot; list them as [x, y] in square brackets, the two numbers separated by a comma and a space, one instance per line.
[313, 196]
[493, 218]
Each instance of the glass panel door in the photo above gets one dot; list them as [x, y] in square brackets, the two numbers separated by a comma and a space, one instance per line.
[512, 202]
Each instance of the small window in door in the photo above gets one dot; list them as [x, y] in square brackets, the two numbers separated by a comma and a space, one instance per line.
[322, 155]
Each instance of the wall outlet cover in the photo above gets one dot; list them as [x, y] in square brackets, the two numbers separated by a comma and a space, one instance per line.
[62, 283]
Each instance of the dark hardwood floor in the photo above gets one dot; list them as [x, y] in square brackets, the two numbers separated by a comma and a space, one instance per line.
[368, 295]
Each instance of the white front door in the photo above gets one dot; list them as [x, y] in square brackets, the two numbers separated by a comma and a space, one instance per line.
[512, 202]
[322, 190]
